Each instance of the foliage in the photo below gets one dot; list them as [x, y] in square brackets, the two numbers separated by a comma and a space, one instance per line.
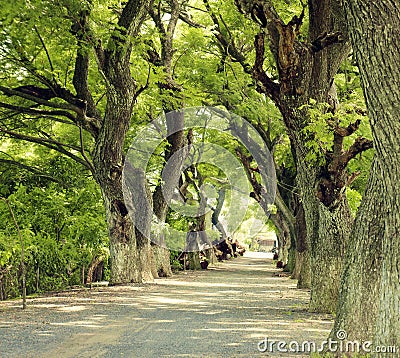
[62, 230]
[58, 206]
[174, 259]
[354, 198]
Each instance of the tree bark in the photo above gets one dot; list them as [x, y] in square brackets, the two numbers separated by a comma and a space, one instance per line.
[283, 236]
[334, 228]
[369, 302]
[302, 270]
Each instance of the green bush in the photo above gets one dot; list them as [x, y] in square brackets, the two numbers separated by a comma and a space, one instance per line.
[62, 231]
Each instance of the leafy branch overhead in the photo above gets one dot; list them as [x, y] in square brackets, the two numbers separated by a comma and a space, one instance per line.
[56, 101]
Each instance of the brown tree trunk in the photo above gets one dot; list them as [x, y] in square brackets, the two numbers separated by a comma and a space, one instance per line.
[123, 250]
[334, 229]
[369, 302]
[283, 236]
[327, 228]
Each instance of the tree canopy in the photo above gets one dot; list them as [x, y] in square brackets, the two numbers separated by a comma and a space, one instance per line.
[83, 80]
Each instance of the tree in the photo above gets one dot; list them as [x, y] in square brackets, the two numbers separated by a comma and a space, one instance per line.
[297, 73]
[72, 102]
[369, 300]
[171, 98]
[223, 82]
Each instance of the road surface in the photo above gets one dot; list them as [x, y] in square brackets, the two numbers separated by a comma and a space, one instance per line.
[224, 311]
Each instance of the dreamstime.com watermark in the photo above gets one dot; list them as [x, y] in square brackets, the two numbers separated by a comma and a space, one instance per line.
[341, 345]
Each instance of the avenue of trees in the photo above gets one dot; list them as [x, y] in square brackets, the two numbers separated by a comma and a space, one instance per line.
[318, 80]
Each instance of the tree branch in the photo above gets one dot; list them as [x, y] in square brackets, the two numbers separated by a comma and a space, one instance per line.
[167, 48]
[83, 153]
[349, 130]
[143, 88]
[91, 124]
[81, 71]
[264, 13]
[66, 106]
[38, 112]
[264, 83]
[156, 16]
[190, 22]
[49, 143]
[227, 42]
[45, 50]
[360, 145]
[31, 169]
[120, 46]
[51, 85]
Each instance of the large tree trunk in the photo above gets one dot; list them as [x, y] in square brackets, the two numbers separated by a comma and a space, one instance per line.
[131, 257]
[123, 253]
[327, 230]
[308, 216]
[359, 292]
[369, 303]
[327, 253]
[127, 262]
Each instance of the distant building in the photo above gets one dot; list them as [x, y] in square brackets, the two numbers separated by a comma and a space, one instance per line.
[266, 245]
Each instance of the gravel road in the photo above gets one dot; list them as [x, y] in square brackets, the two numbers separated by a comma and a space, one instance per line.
[220, 312]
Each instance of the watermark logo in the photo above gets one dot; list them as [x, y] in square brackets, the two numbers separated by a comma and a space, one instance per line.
[338, 345]
[214, 139]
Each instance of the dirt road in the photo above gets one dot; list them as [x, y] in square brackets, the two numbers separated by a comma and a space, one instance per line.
[221, 312]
